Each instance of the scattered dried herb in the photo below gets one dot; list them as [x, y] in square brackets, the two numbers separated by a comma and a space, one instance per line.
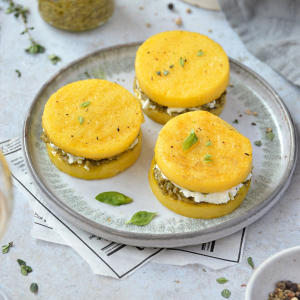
[207, 158]
[19, 73]
[34, 287]
[81, 120]
[158, 73]
[181, 61]
[250, 262]
[171, 66]
[200, 53]
[141, 218]
[54, 58]
[236, 121]
[258, 143]
[85, 104]
[166, 72]
[113, 198]
[6, 248]
[226, 293]
[208, 144]
[222, 280]
[190, 141]
[270, 136]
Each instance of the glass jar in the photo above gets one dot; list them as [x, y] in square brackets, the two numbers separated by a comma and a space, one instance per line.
[76, 15]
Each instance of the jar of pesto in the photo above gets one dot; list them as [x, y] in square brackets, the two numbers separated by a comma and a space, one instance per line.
[76, 15]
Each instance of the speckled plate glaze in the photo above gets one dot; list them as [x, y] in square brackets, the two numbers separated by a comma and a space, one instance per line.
[73, 198]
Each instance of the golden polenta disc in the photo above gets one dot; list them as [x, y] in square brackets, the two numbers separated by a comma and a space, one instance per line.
[182, 69]
[231, 153]
[107, 126]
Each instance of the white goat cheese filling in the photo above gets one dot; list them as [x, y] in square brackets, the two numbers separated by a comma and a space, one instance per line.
[146, 104]
[215, 198]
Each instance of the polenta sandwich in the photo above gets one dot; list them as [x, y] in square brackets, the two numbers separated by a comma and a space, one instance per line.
[179, 72]
[92, 129]
[202, 166]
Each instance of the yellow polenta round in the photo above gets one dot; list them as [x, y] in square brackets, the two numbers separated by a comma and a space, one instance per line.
[201, 80]
[112, 120]
[201, 210]
[231, 153]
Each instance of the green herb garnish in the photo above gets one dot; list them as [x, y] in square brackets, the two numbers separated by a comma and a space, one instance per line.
[54, 59]
[87, 74]
[200, 53]
[181, 61]
[270, 136]
[226, 293]
[141, 218]
[26, 30]
[207, 158]
[222, 280]
[250, 262]
[208, 144]
[190, 141]
[158, 73]
[34, 287]
[258, 143]
[35, 48]
[85, 104]
[166, 72]
[113, 198]
[24, 269]
[5, 248]
[171, 66]
[81, 120]
[21, 262]
[236, 121]
[19, 73]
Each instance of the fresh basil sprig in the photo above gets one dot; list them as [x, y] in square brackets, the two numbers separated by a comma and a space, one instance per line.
[222, 280]
[85, 104]
[113, 198]
[5, 248]
[190, 141]
[141, 218]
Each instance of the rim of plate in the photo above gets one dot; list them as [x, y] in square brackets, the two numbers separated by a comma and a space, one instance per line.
[165, 239]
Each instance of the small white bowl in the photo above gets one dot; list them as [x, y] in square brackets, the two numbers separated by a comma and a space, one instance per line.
[282, 266]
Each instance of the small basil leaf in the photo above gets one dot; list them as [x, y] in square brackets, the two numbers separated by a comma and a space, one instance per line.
[200, 53]
[181, 61]
[190, 141]
[208, 144]
[250, 262]
[81, 120]
[141, 218]
[226, 293]
[28, 269]
[113, 198]
[85, 104]
[222, 280]
[23, 270]
[258, 143]
[21, 262]
[270, 136]
[34, 287]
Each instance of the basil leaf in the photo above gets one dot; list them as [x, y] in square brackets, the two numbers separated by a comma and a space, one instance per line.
[23, 270]
[21, 262]
[226, 293]
[258, 143]
[250, 262]
[208, 144]
[222, 280]
[113, 198]
[200, 53]
[270, 136]
[34, 287]
[181, 61]
[190, 141]
[81, 120]
[85, 104]
[28, 269]
[166, 72]
[141, 218]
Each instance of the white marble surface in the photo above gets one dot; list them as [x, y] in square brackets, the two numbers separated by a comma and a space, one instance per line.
[59, 271]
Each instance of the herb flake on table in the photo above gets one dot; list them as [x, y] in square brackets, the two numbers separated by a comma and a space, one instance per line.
[270, 136]
[113, 198]
[190, 140]
[236, 121]
[226, 293]
[181, 61]
[200, 53]
[18, 72]
[6, 248]
[54, 58]
[24, 269]
[85, 104]
[258, 143]
[141, 218]
[35, 48]
[222, 280]
[250, 262]
[34, 288]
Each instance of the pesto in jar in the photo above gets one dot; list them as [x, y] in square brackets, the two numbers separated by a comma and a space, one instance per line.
[76, 15]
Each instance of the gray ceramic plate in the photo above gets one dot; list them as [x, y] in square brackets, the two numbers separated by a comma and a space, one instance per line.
[74, 198]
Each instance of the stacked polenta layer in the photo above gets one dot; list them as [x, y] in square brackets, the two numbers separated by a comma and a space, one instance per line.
[92, 129]
[187, 182]
[179, 72]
